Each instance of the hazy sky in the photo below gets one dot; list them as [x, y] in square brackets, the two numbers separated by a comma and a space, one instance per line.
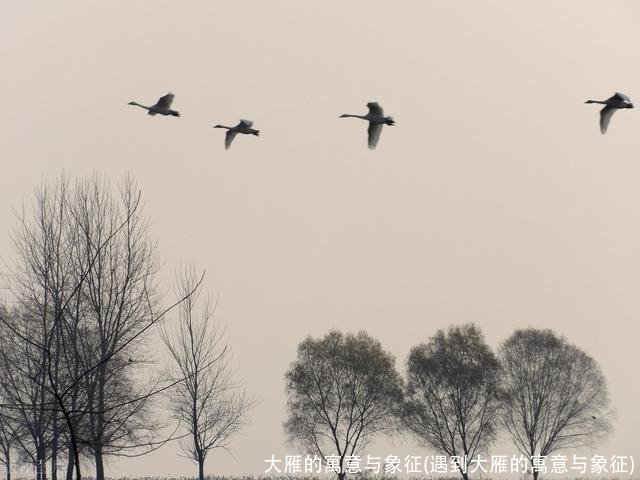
[494, 199]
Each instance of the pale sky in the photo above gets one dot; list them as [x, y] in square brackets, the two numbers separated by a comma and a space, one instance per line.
[494, 199]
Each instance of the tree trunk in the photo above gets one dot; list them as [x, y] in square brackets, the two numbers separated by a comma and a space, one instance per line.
[463, 471]
[54, 466]
[74, 441]
[535, 474]
[41, 464]
[341, 475]
[7, 464]
[69, 475]
[201, 468]
[54, 453]
[99, 462]
[99, 435]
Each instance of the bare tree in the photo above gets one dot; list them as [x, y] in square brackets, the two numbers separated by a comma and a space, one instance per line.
[8, 437]
[342, 391]
[114, 252]
[555, 395]
[451, 395]
[83, 281]
[42, 284]
[8, 433]
[208, 403]
[9, 419]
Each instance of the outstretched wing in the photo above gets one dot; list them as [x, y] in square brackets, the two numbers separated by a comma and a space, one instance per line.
[375, 109]
[605, 117]
[374, 134]
[246, 123]
[621, 97]
[228, 138]
[166, 101]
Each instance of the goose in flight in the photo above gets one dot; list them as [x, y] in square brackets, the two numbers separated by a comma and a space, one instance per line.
[616, 102]
[163, 107]
[243, 127]
[376, 120]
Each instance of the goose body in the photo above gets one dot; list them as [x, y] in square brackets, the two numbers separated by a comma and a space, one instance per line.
[376, 120]
[244, 127]
[616, 102]
[162, 107]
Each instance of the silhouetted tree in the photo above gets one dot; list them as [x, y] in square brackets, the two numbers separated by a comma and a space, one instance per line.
[114, 253]
[43, 285]
[84, 284]
[9, 431]
[451, 393]
[342, 391]
[555, 395]
[207, 402]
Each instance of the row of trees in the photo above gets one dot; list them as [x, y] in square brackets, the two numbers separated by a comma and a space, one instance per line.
[456, 394]
[78, 381]
[76, 345]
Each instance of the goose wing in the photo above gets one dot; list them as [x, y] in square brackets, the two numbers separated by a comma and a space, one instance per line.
[373, 132]
[246, 123]
[228, 138]
[166, 101]
[375, 109]
[605, 117]
[621, 97]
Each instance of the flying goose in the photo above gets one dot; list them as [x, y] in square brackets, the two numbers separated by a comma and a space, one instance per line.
[376, 120]
[163, 107]
[616, 102]
[243, 127]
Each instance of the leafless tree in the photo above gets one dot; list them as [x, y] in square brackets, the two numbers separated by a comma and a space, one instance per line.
[9, 420]
[208, 403]
[42, 284]
[113, 251]
[24, 392]
[555, 395]
[342, 391]
[8, 436]
[451, 395]
[83, 280]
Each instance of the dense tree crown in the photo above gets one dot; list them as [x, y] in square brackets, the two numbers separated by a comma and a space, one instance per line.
[342, 390]
[451, 394]
[456, 397]
[555, 395]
